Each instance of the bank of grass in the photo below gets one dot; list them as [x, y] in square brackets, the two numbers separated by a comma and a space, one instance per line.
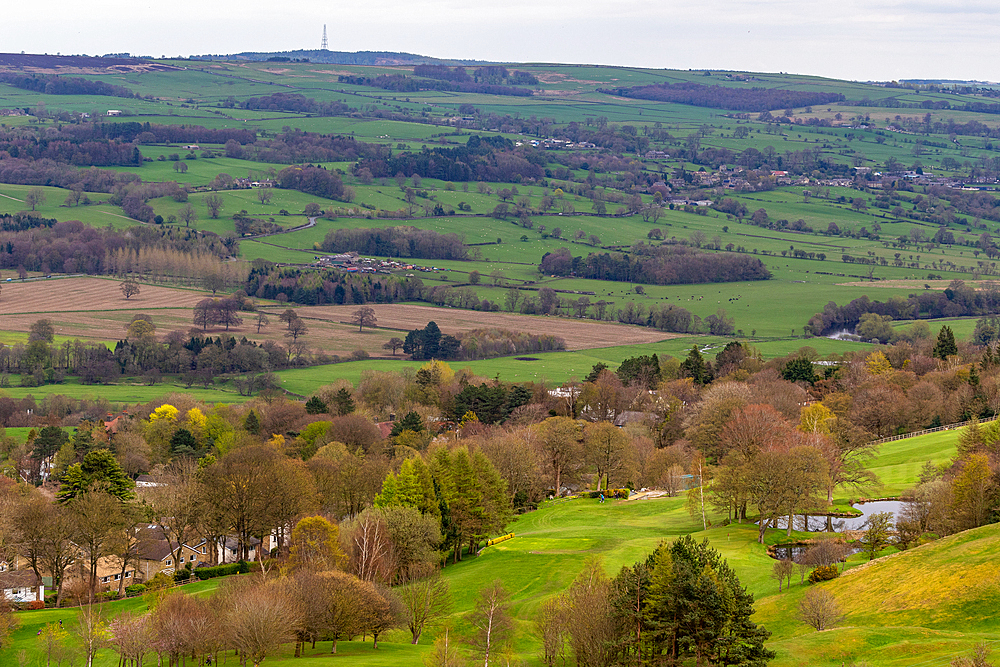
[898, 463]
[924, 606]
[129, 391]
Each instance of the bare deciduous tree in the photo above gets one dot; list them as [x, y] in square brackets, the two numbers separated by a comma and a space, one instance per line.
[261, 320]
[493, 627]
[364, 317]
[214, 204]
[819, 609]
[34, 197]
[130, 288]
[259, 618]
[781, 571]
[426, 600]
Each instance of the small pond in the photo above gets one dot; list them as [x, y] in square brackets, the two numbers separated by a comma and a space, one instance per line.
[821, 522]
[793, 551]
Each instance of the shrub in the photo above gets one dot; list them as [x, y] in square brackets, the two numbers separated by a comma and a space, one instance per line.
[159, 581]
[610, 493]
[203, 573]
[182, 575]
[135, 589]
[35, 604]
[824, 573]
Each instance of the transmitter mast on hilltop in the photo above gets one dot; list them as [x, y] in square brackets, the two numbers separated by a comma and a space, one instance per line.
[324, 45]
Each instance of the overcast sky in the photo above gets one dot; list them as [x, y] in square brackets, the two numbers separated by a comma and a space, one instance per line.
[871, 40]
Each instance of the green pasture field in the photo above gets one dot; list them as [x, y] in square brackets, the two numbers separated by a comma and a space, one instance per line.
[126, 392]
[554, 368]
[19, 433]
[962, 327]
[898, 463]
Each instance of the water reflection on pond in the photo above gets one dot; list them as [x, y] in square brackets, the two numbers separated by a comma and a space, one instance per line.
[838, 524]
[793, 551]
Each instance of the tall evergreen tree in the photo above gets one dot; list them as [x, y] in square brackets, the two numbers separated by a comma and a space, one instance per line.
[98, 471]
[344, 402]
[696, 367]
[689, 605]
[945, 345]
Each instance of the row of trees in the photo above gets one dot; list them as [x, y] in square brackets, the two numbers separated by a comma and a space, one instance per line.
[396, 242]
[959, 299]
[725, 97]
[664, 265]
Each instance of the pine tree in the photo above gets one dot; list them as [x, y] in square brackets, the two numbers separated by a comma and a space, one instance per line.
[99, 468]
[344, 402]
[696, 367]
[315, 406]
[945, 345]
[411, 421]
[252, 423]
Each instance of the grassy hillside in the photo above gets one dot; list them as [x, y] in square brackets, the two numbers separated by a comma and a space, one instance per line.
[932, 601]
[917, 607]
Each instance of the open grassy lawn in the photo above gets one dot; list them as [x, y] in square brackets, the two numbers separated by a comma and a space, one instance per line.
[132, 390]
[899, 462]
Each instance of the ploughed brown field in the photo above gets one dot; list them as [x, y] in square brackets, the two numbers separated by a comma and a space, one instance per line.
[94, 309]
[578, 334]
[88, 294]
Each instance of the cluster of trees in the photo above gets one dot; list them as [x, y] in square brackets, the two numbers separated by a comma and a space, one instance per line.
[682, 602]
[266, 281]
[50, 84]
[430, 343]
[52, 173]
[316, 181]
[73, 247]
[957, 300]
[396, 242]
[295, 102]
[725, 97]
[298, 147]
[152, 133]
[663, 265]
[139, 353]
[403, 84]
[487, 343]
[492, 159]
[103, 153]
[492, 74]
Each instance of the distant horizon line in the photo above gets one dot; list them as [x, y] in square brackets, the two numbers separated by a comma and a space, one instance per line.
[464, 61]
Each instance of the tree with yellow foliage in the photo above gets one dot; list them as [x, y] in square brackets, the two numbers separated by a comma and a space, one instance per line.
[315, 545]
[816, 418]
[878, 364]
[165, 412]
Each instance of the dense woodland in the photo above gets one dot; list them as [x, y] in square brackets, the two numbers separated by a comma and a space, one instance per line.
[396, 242]
[63, 85]
[663, 265]
[724, 97]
